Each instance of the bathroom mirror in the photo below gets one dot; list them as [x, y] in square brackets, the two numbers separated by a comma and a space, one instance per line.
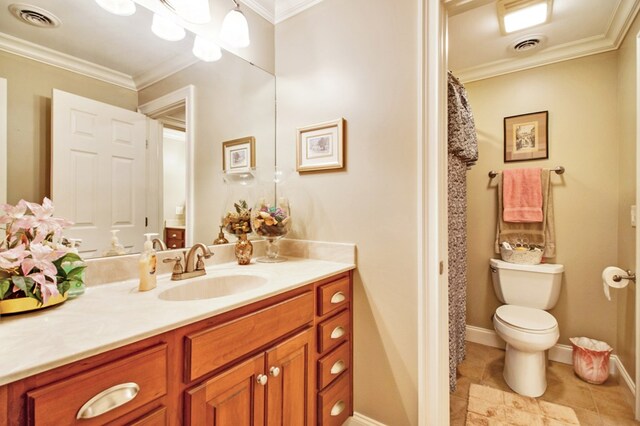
[117, 60]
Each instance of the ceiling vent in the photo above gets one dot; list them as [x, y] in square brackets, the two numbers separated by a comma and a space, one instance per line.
[528, 44]
[34, 15]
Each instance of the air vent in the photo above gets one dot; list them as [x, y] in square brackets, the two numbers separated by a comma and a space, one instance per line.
[527, 44]
[34, 15]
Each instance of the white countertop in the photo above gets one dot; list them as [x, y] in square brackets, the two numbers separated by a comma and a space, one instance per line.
[113, 315]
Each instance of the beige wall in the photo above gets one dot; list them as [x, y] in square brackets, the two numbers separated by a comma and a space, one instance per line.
[581, 97]
[174, 170]
[358, 60]
[627, 98]
[29, 85]
[232, 100]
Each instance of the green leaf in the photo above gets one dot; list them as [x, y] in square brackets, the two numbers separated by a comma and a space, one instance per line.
[21, 283]
[64, 286]
[5, 286]
[75, 272]
[69, 257]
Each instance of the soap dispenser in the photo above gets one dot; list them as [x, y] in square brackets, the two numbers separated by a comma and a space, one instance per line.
[147, 265]
[116, 248]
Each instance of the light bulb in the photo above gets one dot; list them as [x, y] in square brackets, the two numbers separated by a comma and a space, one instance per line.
[235, 29]
[206, 49]
[118, 7]
[166, 29]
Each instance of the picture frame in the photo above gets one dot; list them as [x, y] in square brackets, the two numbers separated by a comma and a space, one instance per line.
[526, 137]
[239, 155]
[320, 146]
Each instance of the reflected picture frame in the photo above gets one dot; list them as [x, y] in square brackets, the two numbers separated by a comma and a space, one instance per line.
[320, 146]
[239, 155]
[526, 137]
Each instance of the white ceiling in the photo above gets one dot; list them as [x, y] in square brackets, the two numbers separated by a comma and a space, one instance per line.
[120, 50]
[478, 50]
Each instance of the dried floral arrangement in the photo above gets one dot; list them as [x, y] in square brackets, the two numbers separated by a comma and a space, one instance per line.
[270, 221]
[238, 222]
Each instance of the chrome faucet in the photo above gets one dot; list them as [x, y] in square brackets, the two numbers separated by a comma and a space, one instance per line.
[192, 268]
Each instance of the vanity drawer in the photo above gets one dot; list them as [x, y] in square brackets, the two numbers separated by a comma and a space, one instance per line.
[215, 347]
[59, 403]
[334, 403]
[175, 244]
[332, 365]
[174, 234]
[333, 331]
[157, 417]
[333, 296]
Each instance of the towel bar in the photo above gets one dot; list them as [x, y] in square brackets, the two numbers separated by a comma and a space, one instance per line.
[559, 170]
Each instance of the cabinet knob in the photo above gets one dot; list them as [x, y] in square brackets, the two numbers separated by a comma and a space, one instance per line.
[262, 379]
[274, 371]
[338, 297]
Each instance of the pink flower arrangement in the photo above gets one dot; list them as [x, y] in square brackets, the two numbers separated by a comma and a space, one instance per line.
[31, 259]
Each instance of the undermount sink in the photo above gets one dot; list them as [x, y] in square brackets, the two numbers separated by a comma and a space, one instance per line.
[213, 287]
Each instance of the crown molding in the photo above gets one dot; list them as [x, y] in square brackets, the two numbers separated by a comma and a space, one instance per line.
[285, 9]
[163, 71]
[62, 60]
[261, 7]
[612, 38]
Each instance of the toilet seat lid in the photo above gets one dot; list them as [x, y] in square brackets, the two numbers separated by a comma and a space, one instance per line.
[526, 318]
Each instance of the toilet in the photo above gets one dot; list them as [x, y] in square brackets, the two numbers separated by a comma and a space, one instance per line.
[528, 291]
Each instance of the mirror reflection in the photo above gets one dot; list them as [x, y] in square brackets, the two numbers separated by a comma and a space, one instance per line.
[123, 130]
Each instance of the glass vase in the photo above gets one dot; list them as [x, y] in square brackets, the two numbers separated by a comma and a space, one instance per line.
[271, 220]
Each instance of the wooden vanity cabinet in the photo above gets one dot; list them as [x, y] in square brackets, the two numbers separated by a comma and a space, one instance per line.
[174, 238]
[272, 388]
[273, 362]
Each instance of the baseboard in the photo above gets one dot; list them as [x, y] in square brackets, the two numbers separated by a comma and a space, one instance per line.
[558, 353]
[361, 420]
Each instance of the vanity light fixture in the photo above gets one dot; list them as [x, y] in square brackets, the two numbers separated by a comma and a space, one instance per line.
[206, 49]
[235, 29]
[118, 7]
[193, 11]
[515, 15]
[166, 29]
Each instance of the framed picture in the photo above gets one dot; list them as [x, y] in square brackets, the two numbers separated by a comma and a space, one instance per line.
[239, 155]
[526, 137]
[321, 146]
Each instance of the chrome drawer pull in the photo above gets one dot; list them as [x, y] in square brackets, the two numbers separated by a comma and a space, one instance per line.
[338, 367]
[337, 332]
[108, 400]
[338, 408]
[338, 297]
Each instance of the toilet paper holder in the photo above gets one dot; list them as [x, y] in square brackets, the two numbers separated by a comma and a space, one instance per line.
[630, 276]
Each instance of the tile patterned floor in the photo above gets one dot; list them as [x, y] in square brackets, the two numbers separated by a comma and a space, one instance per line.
[608, 404]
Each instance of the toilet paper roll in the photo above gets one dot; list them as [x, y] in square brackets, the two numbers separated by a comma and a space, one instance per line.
[607, 279]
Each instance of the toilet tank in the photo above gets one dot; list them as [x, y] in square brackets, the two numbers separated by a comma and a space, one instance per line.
[534, 286]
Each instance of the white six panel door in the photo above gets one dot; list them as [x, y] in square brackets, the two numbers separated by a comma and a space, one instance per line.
[98, 171]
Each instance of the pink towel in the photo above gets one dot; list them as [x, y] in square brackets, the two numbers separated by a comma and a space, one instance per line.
[522, 195]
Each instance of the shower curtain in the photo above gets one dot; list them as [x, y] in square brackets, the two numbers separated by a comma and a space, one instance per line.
[462, 154]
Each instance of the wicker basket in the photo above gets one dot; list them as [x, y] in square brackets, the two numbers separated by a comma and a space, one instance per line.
[526, 257]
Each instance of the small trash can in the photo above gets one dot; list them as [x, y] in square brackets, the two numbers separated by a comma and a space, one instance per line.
[591, 359]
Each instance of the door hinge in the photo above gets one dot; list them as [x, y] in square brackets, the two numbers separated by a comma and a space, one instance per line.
[146, 222]
[441, 267]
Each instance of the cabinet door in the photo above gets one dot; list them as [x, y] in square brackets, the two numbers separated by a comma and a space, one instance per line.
[232, 398]
[290, 387]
